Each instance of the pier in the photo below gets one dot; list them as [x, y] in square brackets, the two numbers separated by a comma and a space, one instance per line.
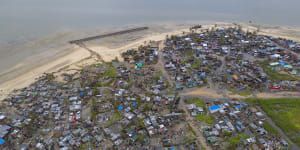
[109, 34]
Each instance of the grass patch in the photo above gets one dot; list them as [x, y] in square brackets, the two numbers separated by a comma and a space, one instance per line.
[114, 119]
[147, 107]
[274, 74]
[198, 101]
[284, 112]
[270, 128]
[235, 140]
[209, 120]
[245, 93]
[231, 90]
[188, 140]
[111, 72]
[203, 117]
[261, 90]
[191, 130]
[200, 117]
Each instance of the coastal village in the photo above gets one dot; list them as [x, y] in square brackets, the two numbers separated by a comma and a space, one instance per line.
[136, 102]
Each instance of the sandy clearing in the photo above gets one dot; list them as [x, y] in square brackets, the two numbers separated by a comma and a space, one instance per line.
[286, 94]
[202, 92]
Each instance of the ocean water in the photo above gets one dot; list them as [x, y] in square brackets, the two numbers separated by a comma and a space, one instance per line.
[50, 23]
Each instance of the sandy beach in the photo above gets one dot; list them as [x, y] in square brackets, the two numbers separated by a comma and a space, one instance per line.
[69, 56]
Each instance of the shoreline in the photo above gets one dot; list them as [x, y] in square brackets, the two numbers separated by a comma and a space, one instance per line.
[112, 47]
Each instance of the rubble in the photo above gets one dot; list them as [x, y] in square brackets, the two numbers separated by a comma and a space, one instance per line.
[135, 103]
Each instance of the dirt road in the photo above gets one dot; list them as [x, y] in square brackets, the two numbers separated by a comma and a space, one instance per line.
[191, 121]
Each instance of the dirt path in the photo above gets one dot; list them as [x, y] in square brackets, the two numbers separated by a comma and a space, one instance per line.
[160, 64]
[82, 45]
[212, 93]
[190, 121]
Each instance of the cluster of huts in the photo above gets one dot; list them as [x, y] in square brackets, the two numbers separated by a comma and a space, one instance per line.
[237, 120]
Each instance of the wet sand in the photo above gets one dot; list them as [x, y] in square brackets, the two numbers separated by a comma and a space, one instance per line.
[64, 54]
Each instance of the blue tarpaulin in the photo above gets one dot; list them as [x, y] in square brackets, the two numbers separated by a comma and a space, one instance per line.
[192, 147]
[2, 141]
[81, 94]
[127, 108]
[89, 138]
[134, 104]
[121, 107]
[228, 71]
[282, 63]
[240, 106]
[214, 107]
[202, 75]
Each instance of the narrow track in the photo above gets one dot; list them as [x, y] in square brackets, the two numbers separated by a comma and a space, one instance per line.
[82, 45]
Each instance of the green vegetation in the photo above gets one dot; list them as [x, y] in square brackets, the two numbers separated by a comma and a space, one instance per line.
[235, 140]
[95, 92]
[226, 133]
[141, 137]
[50, 76]
[117, 117]
[245, 93]
[274, 74]
[270, 128]
[108, 82]
[203, 117]
[197, 63]
[93, 114]
[231, 90]
[94, 103]
[141, 123]
[261, 90]
[209, 120]
[170, 91]
[67, 102]
[191, 130]
[32, 116]
[188, 53]
[111, 72]
[86, 146]
[99, 84]
[199, 102]
[158, 74]
[116, 59]
[200, 117]
[284, 112]
[147, 107]
[188, 140]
